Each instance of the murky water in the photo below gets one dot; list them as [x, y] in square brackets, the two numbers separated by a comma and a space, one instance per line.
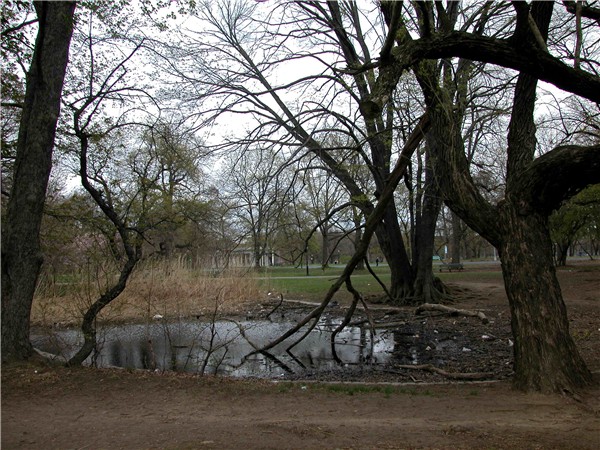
[225, 347]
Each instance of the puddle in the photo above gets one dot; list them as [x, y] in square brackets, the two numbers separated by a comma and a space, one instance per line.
[224, 348]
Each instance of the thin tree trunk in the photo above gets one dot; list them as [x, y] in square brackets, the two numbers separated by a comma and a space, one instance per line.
[456, 238]
[562, 248]
[21, 253]
[546, 357]
[130, 240]
[325, 245]
[356, 216]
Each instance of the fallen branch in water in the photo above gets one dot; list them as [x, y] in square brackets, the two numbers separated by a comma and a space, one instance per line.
[277, 306]
[452, 311]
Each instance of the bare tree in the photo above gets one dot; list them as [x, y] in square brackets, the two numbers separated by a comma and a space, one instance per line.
[240, 60]
[546, 357]
[258, 190]
[324, 194]
[102, 153]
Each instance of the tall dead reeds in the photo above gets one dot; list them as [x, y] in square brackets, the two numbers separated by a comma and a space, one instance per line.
[171, 289]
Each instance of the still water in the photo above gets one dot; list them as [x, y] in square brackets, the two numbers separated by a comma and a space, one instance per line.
[224, 347]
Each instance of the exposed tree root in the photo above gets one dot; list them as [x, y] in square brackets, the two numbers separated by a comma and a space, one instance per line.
[50, 356]
[452, 311]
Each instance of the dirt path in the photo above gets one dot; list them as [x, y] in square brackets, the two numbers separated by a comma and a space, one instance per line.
[49, 407]
[58, 408]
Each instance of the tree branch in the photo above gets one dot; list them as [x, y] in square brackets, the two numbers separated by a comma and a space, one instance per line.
[502, 52]
[12, 105]
[9, 30]
[559, 175]
[452, 311]
[586, 11]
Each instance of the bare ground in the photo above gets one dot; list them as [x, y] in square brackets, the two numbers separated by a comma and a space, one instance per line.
[50, 407]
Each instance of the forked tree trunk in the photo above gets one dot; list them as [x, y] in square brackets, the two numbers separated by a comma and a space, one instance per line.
[546, 357]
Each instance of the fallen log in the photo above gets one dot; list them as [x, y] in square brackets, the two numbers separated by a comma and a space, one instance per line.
[452, 375]
[452, 311]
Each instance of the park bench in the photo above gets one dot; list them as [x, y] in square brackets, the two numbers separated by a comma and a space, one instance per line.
[451, 266]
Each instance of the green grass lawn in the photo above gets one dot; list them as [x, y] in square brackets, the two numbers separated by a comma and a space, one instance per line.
[294, 283]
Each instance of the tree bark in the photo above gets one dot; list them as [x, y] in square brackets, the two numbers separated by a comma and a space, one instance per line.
[21, 253]
[545, 356]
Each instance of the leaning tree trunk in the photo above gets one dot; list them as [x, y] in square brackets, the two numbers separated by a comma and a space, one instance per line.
[21, 253]
[88, 325]
[546, 357]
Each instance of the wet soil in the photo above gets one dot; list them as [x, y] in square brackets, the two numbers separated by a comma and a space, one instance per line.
[45, 406]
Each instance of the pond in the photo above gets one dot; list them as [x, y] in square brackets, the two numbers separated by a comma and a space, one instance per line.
[224, 347]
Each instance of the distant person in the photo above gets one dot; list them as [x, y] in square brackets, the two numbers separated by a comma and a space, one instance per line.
[376, 262]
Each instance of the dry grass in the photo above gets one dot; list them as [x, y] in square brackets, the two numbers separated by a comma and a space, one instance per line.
[171, 290]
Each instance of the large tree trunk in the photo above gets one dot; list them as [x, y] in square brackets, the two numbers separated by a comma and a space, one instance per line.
[389, 236]
[428, 288]
[546, 357]
[21, 253]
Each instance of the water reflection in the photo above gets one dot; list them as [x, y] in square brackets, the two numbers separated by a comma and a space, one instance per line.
[224, 347]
